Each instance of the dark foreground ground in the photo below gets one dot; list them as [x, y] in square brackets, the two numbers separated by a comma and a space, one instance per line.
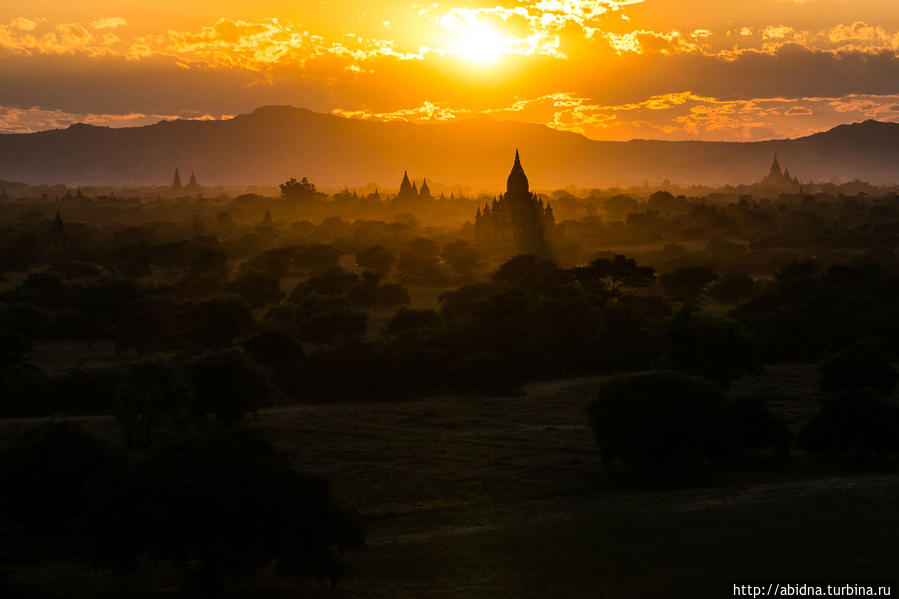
[503, 497]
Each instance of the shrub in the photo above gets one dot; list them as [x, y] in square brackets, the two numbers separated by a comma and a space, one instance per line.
[24, 391]
[662, 422]
[376, 258]
[222, 505]
[281, 354]
[47, 477]
[82, 391]
[257, 289]
[227, 385]
[758, 428]
[153, 399]
[688, 283]
[215, 322]
[408, 320]
[719, 350]
[865, 365]
[733, 287]
[856, 422]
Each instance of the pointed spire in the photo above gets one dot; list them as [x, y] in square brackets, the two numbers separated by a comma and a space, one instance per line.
[176, 181]
[58, 233]
[517, 183]
[406, 186]
[775, 171]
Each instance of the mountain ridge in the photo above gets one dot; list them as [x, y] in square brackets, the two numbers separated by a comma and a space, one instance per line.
[275, 142]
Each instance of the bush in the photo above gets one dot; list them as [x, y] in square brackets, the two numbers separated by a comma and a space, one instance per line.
[856, 422]
[408, 320]
[687, 284]
[25, 391]
[84, 391]
[257, 289]
[281, 355]
[227, 385]
[215, 322]
[733, 287]
[719, 350]
[48, 475]
[866, 365]
[377, 259]
[153, 399]
[662, 422]
[217, 505]
[758, 428]
[222, 505]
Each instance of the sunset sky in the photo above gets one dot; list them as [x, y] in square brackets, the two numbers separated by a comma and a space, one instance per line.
[663, 69]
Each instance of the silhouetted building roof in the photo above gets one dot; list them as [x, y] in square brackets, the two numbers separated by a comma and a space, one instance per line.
[518, 219]
[517, 181]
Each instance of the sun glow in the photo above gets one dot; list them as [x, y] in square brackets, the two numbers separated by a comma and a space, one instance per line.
[479, 43]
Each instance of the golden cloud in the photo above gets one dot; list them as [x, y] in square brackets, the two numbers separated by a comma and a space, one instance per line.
[108, 22]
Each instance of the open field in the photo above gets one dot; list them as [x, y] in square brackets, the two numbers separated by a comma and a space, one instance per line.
[503, 497]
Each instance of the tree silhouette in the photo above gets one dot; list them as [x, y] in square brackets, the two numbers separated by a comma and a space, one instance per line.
[687, 284]
[297, 190]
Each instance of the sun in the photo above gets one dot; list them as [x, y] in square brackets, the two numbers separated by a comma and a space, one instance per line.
[479, 43]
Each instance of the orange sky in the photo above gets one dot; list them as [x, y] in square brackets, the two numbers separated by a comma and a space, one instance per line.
[610, 69]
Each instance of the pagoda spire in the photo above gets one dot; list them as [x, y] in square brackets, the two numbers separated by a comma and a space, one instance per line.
[775, 169]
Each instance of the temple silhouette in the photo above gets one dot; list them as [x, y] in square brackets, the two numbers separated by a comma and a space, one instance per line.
[192, 185]
[410, 195]
[517, 220]
[780, 180]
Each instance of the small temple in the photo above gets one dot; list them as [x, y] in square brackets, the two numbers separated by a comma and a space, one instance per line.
[780, 180]
[410, 195]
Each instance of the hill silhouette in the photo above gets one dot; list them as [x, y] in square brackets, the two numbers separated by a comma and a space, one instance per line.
[275, 142]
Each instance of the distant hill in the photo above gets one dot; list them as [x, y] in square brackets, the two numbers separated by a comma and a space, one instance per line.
[277, 142]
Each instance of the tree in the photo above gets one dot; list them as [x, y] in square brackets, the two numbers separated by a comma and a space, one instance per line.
[317, 256]
[866, 365]
[153, 399]
[377, 259]
[297, 190]
[257, 289]
[619, 206]
[461, 257]
[333, 281]
[219, 506]
[325, 326]
[409, 320]
[603, 278]
[226, 385]
[855, 421]
[281, 354]
[525, 270]
[47, 476]
[687, 284]
[419, 263]
[719, 350]
[733, 287]
[215, 322]
[662, 422]
[224, 220]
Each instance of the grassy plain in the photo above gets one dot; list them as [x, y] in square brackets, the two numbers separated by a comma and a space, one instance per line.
[492, 497]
